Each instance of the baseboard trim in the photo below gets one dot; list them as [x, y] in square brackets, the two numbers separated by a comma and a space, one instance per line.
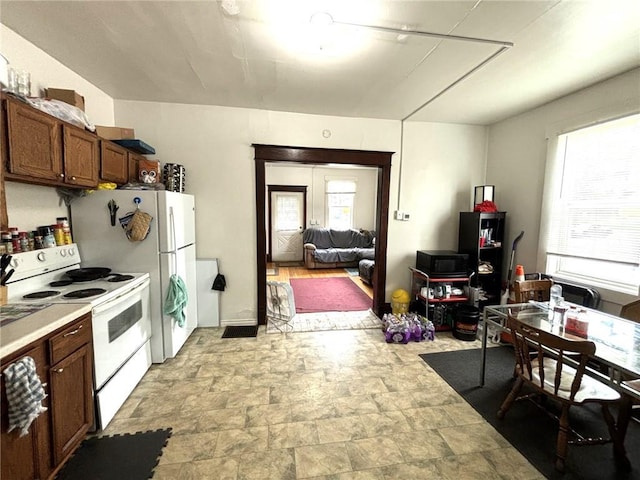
[238, 322]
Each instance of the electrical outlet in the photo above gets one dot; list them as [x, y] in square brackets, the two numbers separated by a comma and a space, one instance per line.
[405, 217]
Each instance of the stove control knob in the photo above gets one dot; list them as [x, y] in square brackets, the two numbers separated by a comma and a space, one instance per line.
[14, 262]
[41, 256]
[71, 251]
[63, 252]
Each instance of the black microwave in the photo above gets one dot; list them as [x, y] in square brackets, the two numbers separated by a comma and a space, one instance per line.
[442, 263]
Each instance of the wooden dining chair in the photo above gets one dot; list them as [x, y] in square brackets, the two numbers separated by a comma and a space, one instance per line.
[537, 290]
[551, 378]
[631, 311]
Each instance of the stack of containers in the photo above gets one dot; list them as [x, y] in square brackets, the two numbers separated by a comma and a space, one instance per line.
[174, 177]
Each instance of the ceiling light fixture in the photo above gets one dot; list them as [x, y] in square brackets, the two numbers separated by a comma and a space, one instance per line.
[321, 19]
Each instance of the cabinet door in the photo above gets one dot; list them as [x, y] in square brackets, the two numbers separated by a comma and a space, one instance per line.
[34, 143]
[81, 157]
[71, 400]
[26, 457]
[114, 163]
[134, 162]
[4, 219]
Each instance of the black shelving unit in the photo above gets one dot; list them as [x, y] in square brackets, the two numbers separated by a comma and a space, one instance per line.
[488, 252]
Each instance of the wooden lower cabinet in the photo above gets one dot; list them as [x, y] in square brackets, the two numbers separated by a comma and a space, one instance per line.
[72, 406]
[26, 457]
[57, 432]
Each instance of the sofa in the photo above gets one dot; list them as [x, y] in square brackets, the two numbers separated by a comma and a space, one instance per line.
[329, 248]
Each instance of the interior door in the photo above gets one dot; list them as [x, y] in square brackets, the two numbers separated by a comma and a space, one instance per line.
[287, 224]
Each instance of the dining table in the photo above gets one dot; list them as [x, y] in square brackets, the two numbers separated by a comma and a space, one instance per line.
[616, 361]
[617, 340]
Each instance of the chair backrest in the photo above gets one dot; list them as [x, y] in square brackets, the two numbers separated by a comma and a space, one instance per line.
[631, 311]
[530, 345]
[537, 290]
[580, 294]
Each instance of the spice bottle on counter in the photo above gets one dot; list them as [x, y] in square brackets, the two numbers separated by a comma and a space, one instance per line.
[6, 241]
[15, 239]
[48, 240]
[66, 230]
[24, 242]
[58, 234]
[38, 242]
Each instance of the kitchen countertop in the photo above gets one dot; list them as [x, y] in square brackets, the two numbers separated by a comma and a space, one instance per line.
[19, 333]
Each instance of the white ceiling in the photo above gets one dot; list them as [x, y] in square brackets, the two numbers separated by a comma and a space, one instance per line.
[266, 54]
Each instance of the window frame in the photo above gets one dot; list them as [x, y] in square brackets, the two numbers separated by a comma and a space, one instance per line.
[552, 179]
[327, 194]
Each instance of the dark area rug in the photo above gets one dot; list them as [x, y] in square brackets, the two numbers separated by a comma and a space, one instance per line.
[240, 331]
[328, 294]
[125, 457]
[527, 427]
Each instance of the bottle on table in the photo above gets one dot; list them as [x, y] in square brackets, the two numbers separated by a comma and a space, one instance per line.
[555, 293]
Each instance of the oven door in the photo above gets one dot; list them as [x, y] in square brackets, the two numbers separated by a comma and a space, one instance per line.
[120, 327]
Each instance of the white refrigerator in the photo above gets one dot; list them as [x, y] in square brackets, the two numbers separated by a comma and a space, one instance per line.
[169, 248]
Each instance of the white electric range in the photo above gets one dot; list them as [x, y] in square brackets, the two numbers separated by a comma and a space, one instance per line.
[121, 321]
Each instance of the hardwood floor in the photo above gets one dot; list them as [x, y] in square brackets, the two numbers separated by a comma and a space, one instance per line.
[283, 274]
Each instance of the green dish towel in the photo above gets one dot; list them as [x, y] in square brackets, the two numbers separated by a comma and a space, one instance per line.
[176, 299]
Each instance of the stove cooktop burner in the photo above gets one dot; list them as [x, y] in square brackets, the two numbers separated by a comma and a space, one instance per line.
[118, 277]
[42, 294]
[86, 292]
[61, 283]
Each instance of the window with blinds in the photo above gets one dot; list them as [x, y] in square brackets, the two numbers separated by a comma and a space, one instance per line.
[340, 203]
[594, 224]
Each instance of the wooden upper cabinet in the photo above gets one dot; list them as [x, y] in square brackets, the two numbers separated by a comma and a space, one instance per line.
[34, 143]
[114, 163]
[81, 157]
[47, 151]
[134, 161]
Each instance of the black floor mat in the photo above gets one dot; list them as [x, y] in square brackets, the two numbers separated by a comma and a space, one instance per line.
[526, 426]
[130, 457]
[236, 331]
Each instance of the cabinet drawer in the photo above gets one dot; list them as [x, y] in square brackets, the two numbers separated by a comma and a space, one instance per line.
[70, 339]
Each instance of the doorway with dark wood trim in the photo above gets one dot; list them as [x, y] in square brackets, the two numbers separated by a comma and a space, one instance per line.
[264, 154]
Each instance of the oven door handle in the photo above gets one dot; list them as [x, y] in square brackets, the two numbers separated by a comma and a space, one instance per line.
[106, 306]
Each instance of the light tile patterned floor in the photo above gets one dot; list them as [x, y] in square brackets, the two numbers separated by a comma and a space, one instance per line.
[331, 405]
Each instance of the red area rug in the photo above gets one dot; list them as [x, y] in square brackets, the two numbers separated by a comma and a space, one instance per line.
[332, 294]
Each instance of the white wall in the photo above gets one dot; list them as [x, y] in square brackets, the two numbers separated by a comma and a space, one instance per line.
[313, 177]
[440, 166]
[517, 151]
[30, 206]
[214, 145]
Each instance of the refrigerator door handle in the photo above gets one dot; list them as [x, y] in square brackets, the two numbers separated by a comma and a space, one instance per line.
[174, 250]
